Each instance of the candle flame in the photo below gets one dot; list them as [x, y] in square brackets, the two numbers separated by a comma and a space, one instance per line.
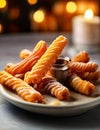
[89, 14]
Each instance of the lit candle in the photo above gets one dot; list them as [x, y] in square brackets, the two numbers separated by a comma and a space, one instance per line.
[86, 30]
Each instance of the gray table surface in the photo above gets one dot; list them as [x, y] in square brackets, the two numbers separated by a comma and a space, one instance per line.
[14, 118]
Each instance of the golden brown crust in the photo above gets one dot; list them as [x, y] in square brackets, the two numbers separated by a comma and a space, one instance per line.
[81, 57]
[81, 86]
[22, 88]
[26, 64]
[46, 61]
[91, 76]
[83, 67]
[49, 85]
[24, 53]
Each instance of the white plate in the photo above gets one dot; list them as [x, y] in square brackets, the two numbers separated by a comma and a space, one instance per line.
[77, 105]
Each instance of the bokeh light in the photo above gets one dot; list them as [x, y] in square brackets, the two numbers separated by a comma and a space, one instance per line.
[3, 4]
[88, 14]
[43, 15]
[32, 2]
[71, 7]
[39, 16]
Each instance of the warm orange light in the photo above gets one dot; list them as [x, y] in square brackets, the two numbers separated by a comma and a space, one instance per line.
[88, 14]
[82, 6]
[14, 13]
[32, 2]
[1, 28]
[39, 16]
[71, 7]
[3, 3]
[58, 8]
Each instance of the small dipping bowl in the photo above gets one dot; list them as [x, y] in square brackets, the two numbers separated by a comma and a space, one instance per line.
[60, 69]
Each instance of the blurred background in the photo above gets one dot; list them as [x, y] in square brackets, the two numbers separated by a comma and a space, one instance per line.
[42, 15]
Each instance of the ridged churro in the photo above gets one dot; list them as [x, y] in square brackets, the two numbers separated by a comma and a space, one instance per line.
[83, 67]
[46, 61]
[25, 53]
[26, 64]
[90, 76]
[24, 90]
[49, 85]
[81, 86]
[81, 57]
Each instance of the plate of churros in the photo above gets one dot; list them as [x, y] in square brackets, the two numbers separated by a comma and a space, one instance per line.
[43, 82]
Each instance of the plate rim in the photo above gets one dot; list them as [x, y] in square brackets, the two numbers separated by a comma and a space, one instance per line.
[95, 101]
